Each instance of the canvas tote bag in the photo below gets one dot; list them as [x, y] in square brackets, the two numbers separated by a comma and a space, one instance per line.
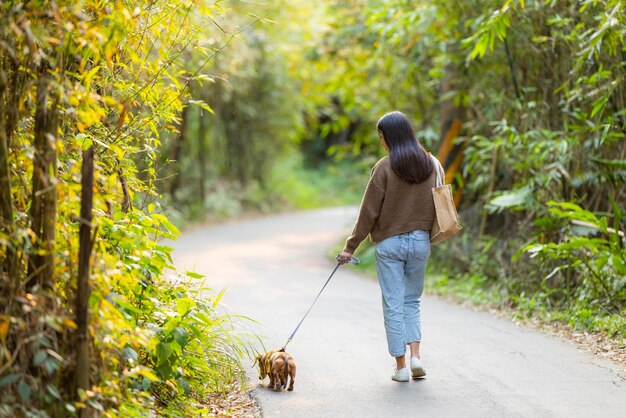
[446, 223]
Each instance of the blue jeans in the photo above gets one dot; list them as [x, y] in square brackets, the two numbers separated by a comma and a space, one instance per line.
[401, 265]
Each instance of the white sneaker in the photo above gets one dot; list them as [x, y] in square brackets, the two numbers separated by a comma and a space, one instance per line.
[401, 375]
[416, 368]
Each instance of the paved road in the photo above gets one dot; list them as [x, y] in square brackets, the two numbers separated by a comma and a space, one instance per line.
[477, 365]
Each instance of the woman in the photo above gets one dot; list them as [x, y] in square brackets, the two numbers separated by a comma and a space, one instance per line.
[397, 212]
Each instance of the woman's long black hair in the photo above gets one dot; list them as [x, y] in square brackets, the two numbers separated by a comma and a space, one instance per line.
[409, 159]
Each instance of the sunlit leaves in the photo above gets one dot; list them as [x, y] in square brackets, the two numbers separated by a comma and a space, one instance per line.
[512, 200]
[120, 72]
[493, 29]
[202, 104]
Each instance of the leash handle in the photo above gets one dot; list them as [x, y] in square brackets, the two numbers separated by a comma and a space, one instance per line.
[353, 260]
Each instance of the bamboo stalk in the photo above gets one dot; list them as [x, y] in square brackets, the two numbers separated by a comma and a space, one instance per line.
[202, 155]
[492, 182]
[127, 204]
[6, 198]
[39, 169]
[509, 60]
[50, 197]
[83, 290]
[44, 192]
[177, 150]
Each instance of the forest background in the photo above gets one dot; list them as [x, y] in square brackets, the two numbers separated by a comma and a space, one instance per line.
[121, 121]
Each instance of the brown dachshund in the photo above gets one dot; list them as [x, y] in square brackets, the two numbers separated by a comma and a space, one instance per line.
[279, 366]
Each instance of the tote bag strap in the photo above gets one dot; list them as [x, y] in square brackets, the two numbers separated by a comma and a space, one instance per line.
[439, 168]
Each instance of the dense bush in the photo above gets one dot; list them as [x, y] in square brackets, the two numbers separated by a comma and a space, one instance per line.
[539, 89]
[104, 80]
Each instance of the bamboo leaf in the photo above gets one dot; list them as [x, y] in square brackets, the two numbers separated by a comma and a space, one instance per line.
[163, 352]
[194, 275]
[52, 390]
[202, 105]
[145, 372]
[24, 390]
[599, 105]
[51, 365]
[512, 199]
[40, 356]
[8, 379]
[184, 305]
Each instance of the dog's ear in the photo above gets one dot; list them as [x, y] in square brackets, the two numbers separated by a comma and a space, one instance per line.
[257, 359]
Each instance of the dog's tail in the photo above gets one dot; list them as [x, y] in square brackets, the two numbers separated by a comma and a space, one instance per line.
[286, 358]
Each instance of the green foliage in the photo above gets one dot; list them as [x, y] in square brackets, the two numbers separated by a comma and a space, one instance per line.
[589, 255]
[298, 186]
[489, 30]
[164, 338]
[226, 156]
[472, 289]
[210, 109]
[117, 80]
[539, 85]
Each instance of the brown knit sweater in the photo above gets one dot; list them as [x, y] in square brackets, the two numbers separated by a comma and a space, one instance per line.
[392, 206]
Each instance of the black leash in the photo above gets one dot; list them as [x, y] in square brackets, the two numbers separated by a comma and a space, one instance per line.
[352, 260]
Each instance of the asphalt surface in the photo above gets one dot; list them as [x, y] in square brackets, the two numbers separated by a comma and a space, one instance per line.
[477, 365]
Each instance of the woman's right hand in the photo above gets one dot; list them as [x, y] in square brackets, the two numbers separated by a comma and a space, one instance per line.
[343, 257]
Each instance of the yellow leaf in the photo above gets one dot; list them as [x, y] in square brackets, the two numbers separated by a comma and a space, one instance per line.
[120, 120]
[119, 151]
[108, 57]
[5, 323]
[70, 324]
[147, 373]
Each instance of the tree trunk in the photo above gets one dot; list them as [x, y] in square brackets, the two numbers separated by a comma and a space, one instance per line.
[450, 153]
[83, 290]
[176, 153]
[202, 155]
[127, 203]
[44, 193]
[50, 197]
[6, 199]
[39, 169]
